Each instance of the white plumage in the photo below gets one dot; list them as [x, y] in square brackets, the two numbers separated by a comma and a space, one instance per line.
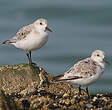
[85, 72]
[31, 37]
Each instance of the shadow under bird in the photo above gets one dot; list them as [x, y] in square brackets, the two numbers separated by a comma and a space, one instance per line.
[86, 71]
[31, 37]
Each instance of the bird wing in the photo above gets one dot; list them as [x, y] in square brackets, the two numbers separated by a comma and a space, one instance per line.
[83, 68]
[21, 34]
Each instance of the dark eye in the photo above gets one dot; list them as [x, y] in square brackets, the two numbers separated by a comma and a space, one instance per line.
[98, 55]
[40, 23]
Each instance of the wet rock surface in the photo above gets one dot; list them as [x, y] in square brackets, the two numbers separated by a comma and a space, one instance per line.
[26, 87]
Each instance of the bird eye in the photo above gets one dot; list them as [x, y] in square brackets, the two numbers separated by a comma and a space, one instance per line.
[40, 23]
[98, 55]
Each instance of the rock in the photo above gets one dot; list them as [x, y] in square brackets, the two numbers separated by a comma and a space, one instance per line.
[26, 87]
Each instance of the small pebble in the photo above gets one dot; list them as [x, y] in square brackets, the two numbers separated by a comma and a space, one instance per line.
[89, 105]
[51, 106]
[43, 93]
[65, 95]
[94, 99]
[25, 103]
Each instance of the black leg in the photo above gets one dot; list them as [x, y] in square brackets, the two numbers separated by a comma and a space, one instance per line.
[30, 54]
[87, 91]
[29, 57]
[79, 90]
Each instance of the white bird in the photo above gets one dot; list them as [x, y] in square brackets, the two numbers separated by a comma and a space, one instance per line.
[31, 37]
[86, 71]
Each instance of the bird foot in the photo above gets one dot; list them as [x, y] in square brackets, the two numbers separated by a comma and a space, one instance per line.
[32, 64]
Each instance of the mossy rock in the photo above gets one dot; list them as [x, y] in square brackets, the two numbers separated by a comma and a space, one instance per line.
[17, 77]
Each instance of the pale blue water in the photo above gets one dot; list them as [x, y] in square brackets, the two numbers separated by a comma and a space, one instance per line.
[79, 27]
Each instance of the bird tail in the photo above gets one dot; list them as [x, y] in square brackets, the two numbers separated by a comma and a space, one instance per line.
[58, 78]
[6, 42]
[61, 78]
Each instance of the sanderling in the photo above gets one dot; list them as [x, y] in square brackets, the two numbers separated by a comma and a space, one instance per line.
[31, 37]
[86, 71]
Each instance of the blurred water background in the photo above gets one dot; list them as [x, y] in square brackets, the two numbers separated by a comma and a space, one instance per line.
[79, 27]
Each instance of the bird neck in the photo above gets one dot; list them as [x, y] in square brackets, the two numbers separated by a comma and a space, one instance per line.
[102, 64]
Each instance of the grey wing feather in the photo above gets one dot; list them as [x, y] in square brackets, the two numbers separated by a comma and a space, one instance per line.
[83, 68]
[21, 34]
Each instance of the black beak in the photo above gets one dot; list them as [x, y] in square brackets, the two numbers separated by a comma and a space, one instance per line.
[48, 29]
[105, 60]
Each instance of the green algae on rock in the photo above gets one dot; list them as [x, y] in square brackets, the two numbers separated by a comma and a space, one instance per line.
[17, 77]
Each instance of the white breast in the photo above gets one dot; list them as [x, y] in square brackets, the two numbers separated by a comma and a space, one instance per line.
[32, 42]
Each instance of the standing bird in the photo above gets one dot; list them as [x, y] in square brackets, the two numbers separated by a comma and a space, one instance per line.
[31, 37]
[86, 71]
